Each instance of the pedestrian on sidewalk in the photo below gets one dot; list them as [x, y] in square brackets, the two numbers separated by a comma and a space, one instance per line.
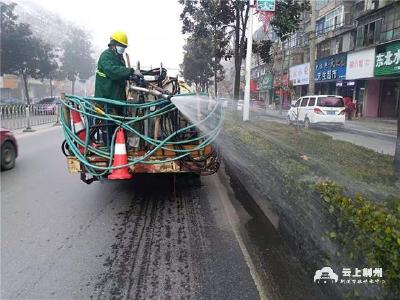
[349, 107]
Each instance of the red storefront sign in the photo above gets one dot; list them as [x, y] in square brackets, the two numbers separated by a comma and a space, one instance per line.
[253, 86]
[281, 81]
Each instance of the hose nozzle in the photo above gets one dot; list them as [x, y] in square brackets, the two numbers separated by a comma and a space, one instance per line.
[156, 93]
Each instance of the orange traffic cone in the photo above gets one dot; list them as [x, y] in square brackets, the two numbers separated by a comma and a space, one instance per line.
[120, 158]
[79, 128]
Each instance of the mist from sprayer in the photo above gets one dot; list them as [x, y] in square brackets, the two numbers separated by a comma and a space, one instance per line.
[214, 119]
[201, 110]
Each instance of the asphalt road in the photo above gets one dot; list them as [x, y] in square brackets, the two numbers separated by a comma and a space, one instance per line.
[63, 239]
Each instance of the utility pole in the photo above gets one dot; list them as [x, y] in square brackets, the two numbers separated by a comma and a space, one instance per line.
[311, 85]
[246, 105]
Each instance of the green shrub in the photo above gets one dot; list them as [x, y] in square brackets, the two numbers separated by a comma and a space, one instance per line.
[368, 231]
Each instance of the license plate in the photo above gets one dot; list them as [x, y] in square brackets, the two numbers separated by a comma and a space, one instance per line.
[331, 112]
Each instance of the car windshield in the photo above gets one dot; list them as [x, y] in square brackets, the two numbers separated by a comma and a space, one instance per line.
[48, 101]
[330, 102]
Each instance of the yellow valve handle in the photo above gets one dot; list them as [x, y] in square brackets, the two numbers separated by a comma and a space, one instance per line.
[99, 111]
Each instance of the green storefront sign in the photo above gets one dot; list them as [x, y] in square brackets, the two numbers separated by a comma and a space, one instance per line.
[387, 59]
[266, 5]
[266, 82]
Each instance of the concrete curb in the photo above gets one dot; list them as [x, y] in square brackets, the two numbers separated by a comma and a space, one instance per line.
[371, 133]
[19, 133]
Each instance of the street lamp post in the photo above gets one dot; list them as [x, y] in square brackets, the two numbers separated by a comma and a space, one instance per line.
[246, 105]
[311, 85]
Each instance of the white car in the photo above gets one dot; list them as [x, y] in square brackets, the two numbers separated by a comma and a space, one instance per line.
[317, 110]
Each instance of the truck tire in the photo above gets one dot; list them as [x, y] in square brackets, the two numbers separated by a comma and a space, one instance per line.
[8, 155]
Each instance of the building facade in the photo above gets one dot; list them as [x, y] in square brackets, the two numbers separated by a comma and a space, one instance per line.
[357, 54]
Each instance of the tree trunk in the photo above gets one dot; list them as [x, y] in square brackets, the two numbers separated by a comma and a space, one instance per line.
[241, 23]
[215, 60]
[215, 81]
[25, 79]
[281, 79]
[73, 87]
[311, 86]
[237, 57]
[51, 87]
[397, 152]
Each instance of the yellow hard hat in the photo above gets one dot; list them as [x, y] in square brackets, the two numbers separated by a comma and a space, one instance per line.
[120, 37]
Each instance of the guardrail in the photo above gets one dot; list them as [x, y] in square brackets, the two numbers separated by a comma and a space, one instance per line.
[17, 116]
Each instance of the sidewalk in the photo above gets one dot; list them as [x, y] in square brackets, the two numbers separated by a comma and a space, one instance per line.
[365, 126]
[384, 127]
[19, 133]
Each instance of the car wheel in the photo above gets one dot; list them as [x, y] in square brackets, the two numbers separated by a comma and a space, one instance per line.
[7, 156]
[306, 123]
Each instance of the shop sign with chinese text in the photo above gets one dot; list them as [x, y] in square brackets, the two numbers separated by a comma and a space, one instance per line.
[266, 82]
[300, 74]
[331, 68]
[281, 81]
[360, 64]
[387, 59]
[266, 5]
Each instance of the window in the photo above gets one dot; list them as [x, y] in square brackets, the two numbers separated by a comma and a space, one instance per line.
[330, 21]
[338, 45]
[360, 36]
[324, 49]
[334, 19]
[304, 102]
[49, 100]
[311, 102]
[368, 34]
[320, 26]
[320, 4]
[359, 9]
[390, 27]
[297, 103]
[330, 102]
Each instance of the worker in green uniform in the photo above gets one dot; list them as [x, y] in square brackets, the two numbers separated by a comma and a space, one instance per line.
[111, 77]
[112, 74]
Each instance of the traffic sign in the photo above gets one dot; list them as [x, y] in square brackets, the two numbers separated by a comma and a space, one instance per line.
[266, 5]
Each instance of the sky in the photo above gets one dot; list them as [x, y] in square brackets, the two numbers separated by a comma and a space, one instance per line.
[153, 26]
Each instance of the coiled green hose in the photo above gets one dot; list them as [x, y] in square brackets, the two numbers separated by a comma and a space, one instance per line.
[88, 107]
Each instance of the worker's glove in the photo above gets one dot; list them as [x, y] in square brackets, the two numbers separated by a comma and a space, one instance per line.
[135, 78]
[139, 80]
[137, 72]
